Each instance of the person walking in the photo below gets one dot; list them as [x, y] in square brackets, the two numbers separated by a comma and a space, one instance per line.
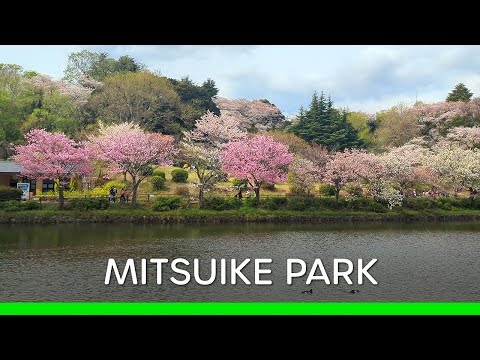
[111, 194]
[122, 195]
[239, 193]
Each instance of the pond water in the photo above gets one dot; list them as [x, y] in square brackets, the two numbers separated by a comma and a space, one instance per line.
[68, 262]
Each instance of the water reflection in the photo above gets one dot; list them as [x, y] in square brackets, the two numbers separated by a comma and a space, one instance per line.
[67, 262]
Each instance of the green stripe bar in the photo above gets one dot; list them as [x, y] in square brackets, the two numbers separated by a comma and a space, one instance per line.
[246, 308]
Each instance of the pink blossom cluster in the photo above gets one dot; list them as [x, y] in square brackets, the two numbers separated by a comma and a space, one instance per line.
[79, 94]
[52, 156]
[260, 158]
[250, 114]
[127, 148]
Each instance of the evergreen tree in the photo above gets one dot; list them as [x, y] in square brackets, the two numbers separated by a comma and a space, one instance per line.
[460, 93]
[210, 87]
[196, 100]
[322, 124]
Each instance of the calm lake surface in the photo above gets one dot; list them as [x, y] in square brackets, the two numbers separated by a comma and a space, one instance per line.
[67, 262]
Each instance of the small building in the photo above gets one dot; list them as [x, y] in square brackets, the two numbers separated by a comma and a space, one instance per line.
[10, 175]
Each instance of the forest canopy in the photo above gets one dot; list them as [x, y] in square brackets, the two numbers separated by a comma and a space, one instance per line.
[99, 89]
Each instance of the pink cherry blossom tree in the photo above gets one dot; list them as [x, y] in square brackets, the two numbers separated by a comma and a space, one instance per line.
[425, 175]
[465, 137]
[201, 146]
[52, 156]
[306, 174]
[372, 172]
[401, 162]
[258, 159]
[129, 149]
[437, 117]
[78, 93]
[253, 115]
[363, 167]
[353, 165]
[342, 169]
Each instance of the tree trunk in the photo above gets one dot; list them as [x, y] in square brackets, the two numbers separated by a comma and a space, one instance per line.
[473, 193]
[134, 191]
[200, 195]
[337, 195]
[125, 176]
[60, 196]
[257, 194]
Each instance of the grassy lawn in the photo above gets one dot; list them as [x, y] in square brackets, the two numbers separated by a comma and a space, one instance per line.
[222, 188]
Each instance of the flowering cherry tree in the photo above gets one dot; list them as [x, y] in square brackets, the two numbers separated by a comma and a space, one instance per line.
[253, 115]
[306, 174]
[401, 163]
[79, 94]
[358, 165]
[426, 175]
[201, 146]
[258, 159]
[465, 137]
[127, 148]
[52, 156]
[217, 129]
[437, 117]
[344, 167]
[456, 167]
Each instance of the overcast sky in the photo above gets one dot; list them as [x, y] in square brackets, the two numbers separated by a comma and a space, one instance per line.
[360, 77]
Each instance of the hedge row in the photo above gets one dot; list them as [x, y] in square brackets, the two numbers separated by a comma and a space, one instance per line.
[17, 205]
[300, 203]
[294, 203]
[10, 193]
[167, 203]
[89, 204]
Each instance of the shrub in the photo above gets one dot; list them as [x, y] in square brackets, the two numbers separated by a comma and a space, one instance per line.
[313, 203]
[326, 190]
[73, 183]
[293, 188]
[214, 203]
[419, 203]
[167, 203]
[17, 205]
[158, 182]
[239, 182]
[367, 204]
[300, 203]
[31, 205]
[234, 203]
[219, 203]
[250, 202]
[50, 193]
[467, 203]
[10, 193]
[181, 190]
[114, 183]
[448, 203]
[274, 203]
[89, 204]
[267, 186]
[328, 203]
[354, 191]
[179, 175]
[159, 173]
[11, 205]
